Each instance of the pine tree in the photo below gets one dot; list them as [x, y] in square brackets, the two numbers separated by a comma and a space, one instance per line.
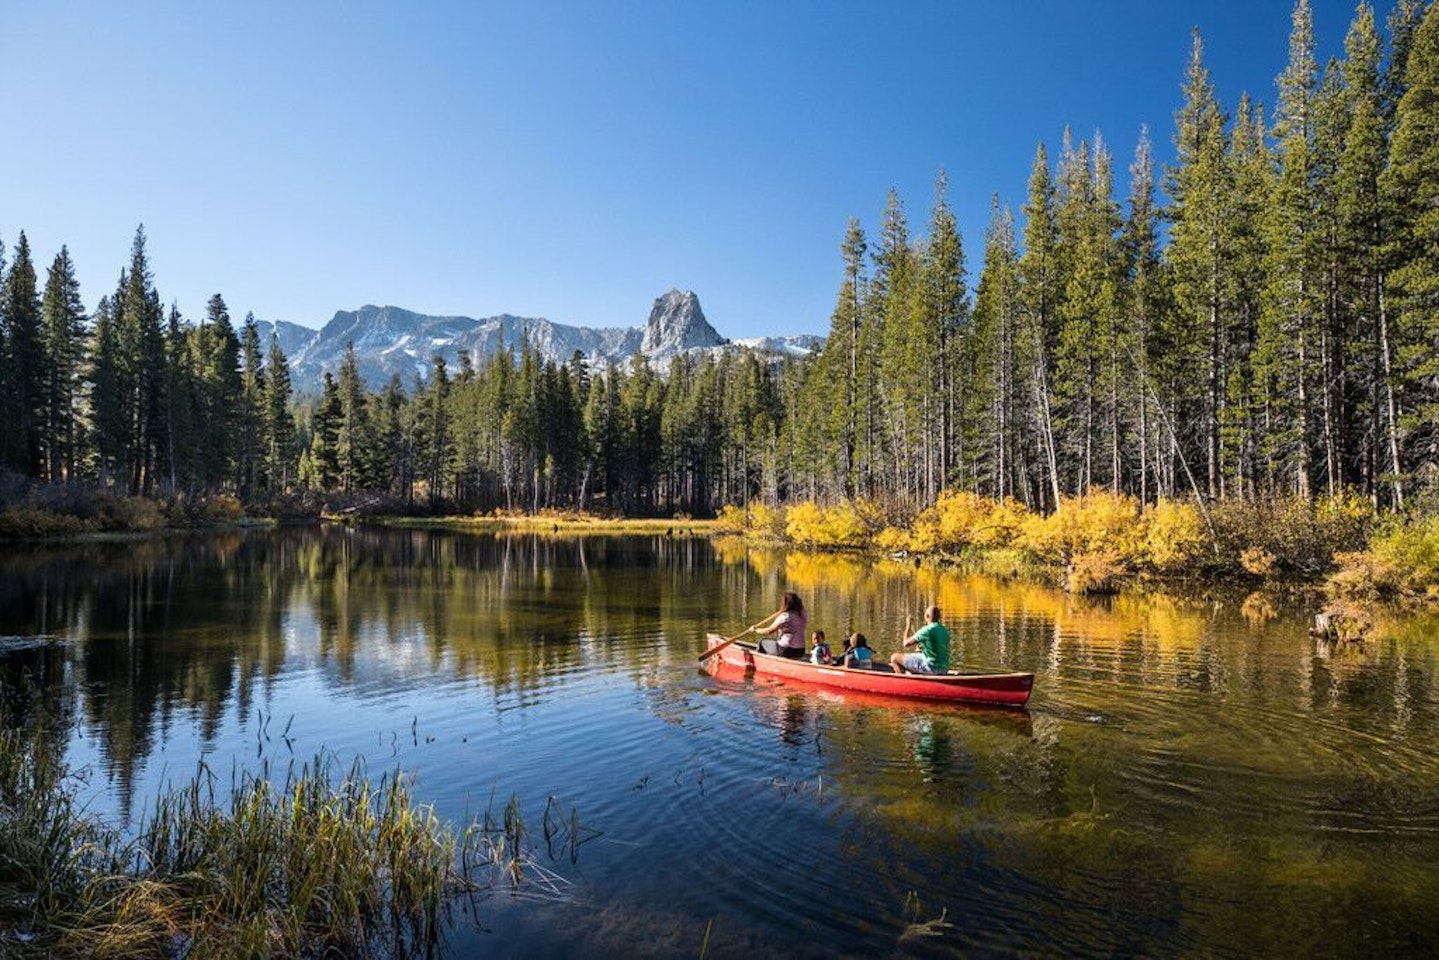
[1192, 346]
[278, 427]
[1411, 184]
[1146, 305]
[352, 439]
[63, 314]
[106, 395]
[946, 319]
[220, 395]
[250, 449]
[325, 433]
[998, 398]
[1361, 224]
[186, 441]
[1041, 286]
[1241, 432]
[27, 374]
[142, 363]
[1288, 349]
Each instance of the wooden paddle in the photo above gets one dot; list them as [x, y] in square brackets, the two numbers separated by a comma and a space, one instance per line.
[720, 646]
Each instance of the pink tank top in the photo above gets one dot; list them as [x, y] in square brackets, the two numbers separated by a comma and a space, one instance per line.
[792, 624]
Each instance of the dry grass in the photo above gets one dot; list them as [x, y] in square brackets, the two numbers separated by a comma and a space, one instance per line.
[306, 864]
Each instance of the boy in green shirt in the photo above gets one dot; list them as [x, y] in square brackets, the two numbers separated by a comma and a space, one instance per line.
[933, 642]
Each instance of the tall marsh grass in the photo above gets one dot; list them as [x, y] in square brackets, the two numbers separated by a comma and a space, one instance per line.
[304, 864]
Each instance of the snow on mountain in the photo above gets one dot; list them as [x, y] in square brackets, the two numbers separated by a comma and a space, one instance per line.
[391, 340]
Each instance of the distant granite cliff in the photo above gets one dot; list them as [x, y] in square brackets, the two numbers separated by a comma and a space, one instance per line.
[391, 340]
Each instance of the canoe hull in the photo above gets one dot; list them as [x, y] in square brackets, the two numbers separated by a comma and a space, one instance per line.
[998, 689]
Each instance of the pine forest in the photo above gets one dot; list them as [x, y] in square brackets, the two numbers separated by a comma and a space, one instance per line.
[1258, 319]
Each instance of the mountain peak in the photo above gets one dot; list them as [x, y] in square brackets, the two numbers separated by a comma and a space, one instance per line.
[677, 324]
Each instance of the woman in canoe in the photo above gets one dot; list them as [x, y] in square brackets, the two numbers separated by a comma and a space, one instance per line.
[788, 623]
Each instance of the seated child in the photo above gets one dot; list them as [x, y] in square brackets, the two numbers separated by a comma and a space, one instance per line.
[857, 652]
[820, 653]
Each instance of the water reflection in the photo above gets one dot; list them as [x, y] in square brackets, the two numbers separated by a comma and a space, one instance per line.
[1190, 770]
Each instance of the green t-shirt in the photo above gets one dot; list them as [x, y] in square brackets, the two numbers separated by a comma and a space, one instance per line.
[934, 641]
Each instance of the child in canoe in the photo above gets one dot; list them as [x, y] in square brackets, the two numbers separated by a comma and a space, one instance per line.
[821, 652]
[857, 653]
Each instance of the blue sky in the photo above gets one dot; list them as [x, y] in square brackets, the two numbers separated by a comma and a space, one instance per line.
[565, 160]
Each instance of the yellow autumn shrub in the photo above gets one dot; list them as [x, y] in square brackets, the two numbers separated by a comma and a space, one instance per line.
[895, 540]
[1174, 535]
[1100, 522]
[846, 524]
[731, 519]
[766, 521]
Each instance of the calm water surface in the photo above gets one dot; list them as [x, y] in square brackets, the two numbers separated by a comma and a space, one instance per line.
[1190, 778]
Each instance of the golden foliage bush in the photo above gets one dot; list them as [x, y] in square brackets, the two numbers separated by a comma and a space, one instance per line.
[1174, 536]
[1099, 522]
[1401, 562]
[846, 524]
[1258, 561]
[766, 521]
[731, 519]
[962, 519]
[896, 540]
[224, 508]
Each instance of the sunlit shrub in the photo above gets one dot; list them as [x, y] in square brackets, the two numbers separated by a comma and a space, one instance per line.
[965, 519]
[767, 521]
[1402, 562]
[1258, 561]
[847, 524]
[1099, 522]
[132, 513]
[224, 508]
[1174, 536]
[731, 519]
[895, 540]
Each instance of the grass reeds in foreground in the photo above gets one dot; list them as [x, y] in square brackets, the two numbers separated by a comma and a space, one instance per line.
[310, 865]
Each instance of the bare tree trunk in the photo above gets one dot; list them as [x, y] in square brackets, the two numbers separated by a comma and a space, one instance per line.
[1391, 408]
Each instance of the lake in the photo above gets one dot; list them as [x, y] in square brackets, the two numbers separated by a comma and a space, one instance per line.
[1191, 777]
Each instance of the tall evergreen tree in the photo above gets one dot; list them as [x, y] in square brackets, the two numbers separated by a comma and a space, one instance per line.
[278, 428]
[63, 314]
[1041, 285]
[26, 376]
[1288, 349]
[1411, 183]
[250, 412]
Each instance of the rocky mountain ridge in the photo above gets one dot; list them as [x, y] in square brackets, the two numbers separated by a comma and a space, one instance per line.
[391, 340]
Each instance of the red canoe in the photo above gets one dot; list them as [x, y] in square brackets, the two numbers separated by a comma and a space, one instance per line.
[1000, 689]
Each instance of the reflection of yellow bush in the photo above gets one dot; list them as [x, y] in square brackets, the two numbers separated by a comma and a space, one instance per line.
[1094, 572]
[1258, 608]
[809, 571]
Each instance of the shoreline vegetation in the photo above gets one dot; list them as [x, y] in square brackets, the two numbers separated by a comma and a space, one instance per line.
[1098, 542]
[309, 862]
